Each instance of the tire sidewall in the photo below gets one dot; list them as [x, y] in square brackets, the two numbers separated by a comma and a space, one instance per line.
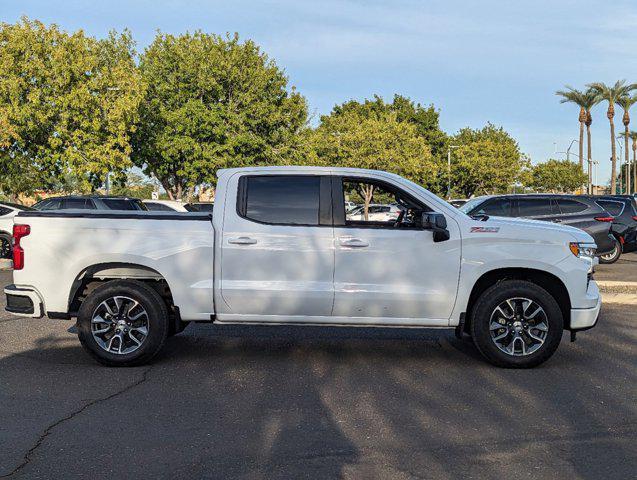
[493, 297]
[157, 322]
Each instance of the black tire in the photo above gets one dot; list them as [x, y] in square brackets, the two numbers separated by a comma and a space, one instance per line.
[613, 256]
[5, 245]
[157, 319]
[488, 302]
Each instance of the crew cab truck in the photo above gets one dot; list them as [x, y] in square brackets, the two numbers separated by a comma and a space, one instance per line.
[280, 248]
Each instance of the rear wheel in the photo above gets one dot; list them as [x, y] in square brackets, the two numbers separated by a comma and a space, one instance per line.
[516, 324]
[612, 256]
[123, 323]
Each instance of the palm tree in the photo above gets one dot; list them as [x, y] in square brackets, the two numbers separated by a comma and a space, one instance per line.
[626, 102]
[611, 93]
[585, 101]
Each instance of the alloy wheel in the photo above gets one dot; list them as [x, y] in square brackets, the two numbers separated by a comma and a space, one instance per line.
[119, 325]
[518, 326]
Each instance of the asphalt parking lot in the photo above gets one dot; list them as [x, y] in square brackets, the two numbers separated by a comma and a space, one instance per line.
[286, 402]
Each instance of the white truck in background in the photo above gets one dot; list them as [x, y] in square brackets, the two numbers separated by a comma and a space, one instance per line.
[280, 248]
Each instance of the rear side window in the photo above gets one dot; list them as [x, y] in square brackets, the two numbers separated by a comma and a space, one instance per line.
[119, 204]
[534, 207]
[4, 211]
[81, 203]
[286, 200]
[497, 207]
[614, 208]
[571, 206]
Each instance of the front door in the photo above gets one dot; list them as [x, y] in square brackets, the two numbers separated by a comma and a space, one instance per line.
[277, 255]
[390, 271]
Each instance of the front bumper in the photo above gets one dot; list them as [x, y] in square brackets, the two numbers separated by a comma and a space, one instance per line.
[585, 318]
[23, 301]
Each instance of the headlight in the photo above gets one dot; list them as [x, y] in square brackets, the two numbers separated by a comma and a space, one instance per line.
[582, 250]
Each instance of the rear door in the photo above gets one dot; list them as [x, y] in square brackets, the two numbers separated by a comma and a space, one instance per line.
[277, 254]
[577, 214]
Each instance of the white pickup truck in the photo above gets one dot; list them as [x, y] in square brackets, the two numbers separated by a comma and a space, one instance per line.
[281, 249]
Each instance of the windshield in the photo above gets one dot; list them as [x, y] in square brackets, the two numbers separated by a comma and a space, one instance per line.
[471, 204]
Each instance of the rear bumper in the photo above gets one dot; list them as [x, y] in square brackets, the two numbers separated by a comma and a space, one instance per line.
[605, 243]
[585, 318]
[23, 301]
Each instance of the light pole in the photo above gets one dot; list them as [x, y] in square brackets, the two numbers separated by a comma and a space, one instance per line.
[621, 155]
[449, 170]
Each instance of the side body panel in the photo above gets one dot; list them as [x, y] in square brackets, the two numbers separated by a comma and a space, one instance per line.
[58, 249]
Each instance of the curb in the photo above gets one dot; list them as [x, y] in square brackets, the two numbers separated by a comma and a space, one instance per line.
[613, 286]
[619, 298]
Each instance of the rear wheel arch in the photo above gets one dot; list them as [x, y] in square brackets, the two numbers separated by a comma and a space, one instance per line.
[95, 275]
[549, 282]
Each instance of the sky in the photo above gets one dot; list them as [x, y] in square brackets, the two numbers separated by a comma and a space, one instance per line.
[476, 61]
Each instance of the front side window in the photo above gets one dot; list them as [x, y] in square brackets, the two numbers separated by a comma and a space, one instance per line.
[379, 205]
[283, 200]
[53, 204]
[497, 207]
[534, 207]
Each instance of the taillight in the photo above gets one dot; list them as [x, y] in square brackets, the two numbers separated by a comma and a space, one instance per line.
[635, 218]
[604, 219]
[19, 231]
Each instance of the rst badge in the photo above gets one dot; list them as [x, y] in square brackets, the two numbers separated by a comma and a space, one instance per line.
[485, 229]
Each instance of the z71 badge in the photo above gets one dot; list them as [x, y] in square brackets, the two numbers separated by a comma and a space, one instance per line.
[485, 229]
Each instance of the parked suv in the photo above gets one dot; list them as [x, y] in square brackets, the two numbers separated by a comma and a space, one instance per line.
[90, 202]
[572, 210]
[623, 208]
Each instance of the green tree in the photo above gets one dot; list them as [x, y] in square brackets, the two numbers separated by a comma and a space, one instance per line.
[354, 137]
[133, 185]
[585, 100]
[487, 161]
[213, 102]
[612, 93]
[67, 104]
[557, 176]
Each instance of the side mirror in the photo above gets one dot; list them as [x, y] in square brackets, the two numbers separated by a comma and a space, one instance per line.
[437, 223]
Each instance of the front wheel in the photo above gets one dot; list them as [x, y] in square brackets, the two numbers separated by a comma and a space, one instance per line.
[516, 324]
[612, 256]
[123, 323]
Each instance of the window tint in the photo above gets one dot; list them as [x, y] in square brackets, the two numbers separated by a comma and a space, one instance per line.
[571, 206]
[497, 207]
[290, 200]
[82, 203]
[4, 210]
[534, 207]
[614, 208]
[158, 207]
[119, 204]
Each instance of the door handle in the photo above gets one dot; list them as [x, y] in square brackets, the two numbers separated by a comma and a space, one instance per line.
[353, 242]
[242, 241]
[557, 220]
